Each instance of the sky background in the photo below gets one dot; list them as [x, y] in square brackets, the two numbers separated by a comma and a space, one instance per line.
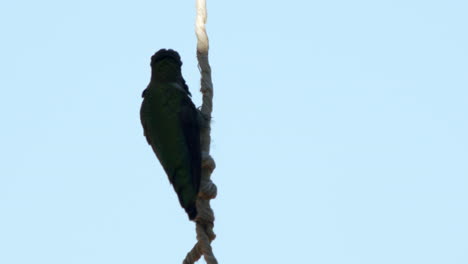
[340, 131]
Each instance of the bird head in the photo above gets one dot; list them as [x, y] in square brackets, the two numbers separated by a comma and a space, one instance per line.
[166, 65]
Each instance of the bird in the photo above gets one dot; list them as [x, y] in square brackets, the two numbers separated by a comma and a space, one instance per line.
[171, 126]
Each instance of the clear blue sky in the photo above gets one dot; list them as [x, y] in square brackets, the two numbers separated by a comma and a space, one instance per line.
[340, 132]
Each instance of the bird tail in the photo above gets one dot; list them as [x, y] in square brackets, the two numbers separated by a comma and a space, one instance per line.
[187, 199]
[191, 211]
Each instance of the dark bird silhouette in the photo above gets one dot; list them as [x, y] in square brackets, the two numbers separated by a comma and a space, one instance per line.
[171, 127]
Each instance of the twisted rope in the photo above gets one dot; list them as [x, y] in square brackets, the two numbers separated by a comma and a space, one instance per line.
[205, 218]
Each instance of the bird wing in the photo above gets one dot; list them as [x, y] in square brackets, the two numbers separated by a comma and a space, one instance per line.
[143, 117]
[170, 124]
[191, 129]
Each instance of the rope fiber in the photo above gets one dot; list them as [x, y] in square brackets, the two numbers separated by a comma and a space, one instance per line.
[208, 190]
